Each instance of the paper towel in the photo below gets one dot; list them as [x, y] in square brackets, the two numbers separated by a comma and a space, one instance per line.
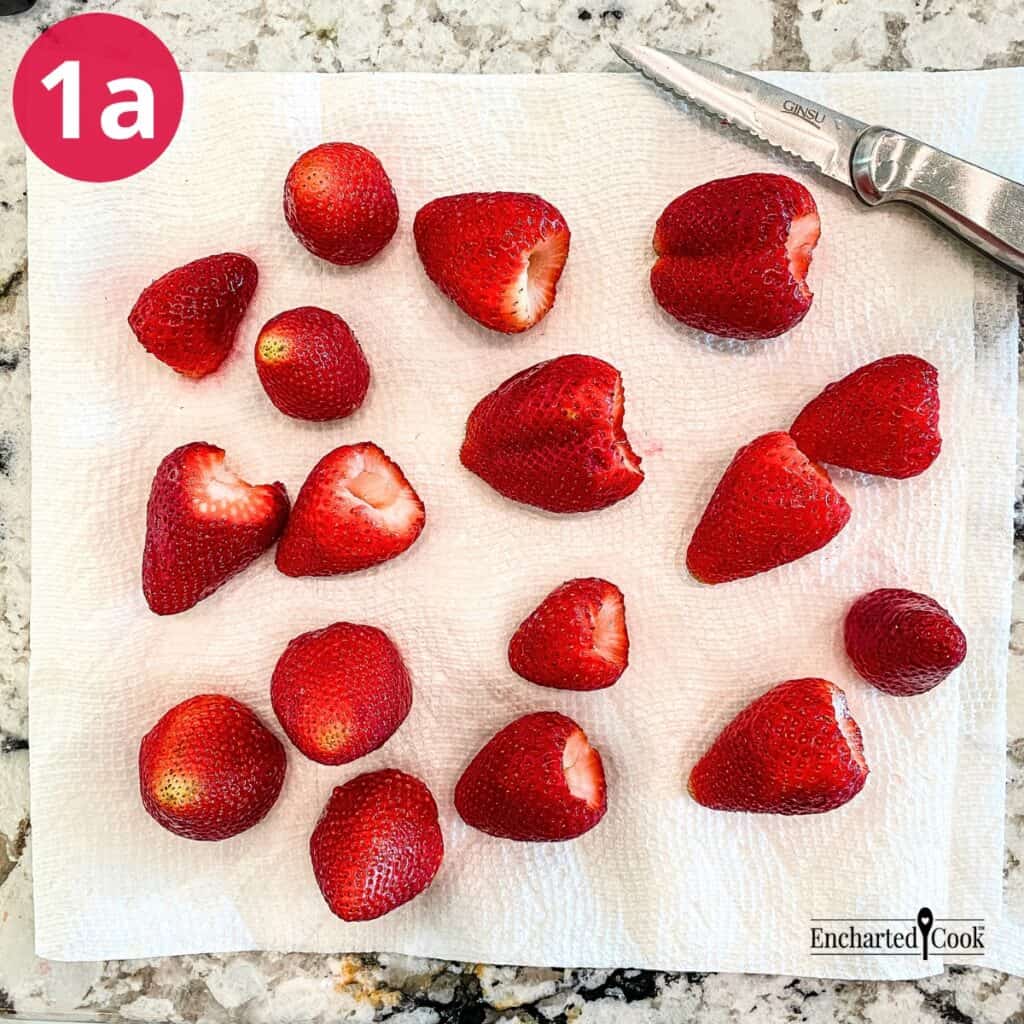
[661, 882]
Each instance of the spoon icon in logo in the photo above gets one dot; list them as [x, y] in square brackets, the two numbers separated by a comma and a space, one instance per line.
[924, 923]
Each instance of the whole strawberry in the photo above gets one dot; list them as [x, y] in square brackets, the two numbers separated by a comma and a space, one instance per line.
[339, 202]
[355, 510]
[209, 768]
[733, 256]
[772, 506]
[552, 436]
[340, 692]
[497, 255]
[377, 844]
[537, 780]
[189, 317]
[311, 365]
[204, 524]
[575, 639]
[794, 750]
[901, 642]
[881, 419]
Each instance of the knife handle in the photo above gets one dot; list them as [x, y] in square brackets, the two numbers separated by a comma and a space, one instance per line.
[983, 208]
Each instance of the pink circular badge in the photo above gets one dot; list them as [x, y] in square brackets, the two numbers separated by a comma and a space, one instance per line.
[97, 97]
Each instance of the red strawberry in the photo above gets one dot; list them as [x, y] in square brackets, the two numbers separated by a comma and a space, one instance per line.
[204, 524]
[794, 750]
[575, 640]
[733, 256]
[552, 436]
[340, 203]
[772, 506]
[881, 419]
[377, 844]
[901, 642]
[188, 318]
[356, 509]
[311, 365]
[209, 768]
[497, 255]
[340, 692]
[537, 780]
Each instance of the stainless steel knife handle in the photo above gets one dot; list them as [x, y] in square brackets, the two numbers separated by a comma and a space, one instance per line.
[983, 208]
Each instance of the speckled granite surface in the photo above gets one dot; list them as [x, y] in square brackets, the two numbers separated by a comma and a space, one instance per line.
[466, 36]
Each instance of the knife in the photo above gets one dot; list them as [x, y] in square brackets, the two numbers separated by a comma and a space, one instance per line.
[879, 164]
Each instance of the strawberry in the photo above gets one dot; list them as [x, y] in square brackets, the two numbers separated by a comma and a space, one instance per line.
[377, 844]
[575, 639]
[340, 692]
[310, 364]
[537, 780]
[497, 255]
[204, 524]
[881, 419]
[901, 642]
[339, 202]
[772, 506]
[209, 768]
[189, 317]
[733, 256]
[356, 509]
[552, 436]
[794, 750]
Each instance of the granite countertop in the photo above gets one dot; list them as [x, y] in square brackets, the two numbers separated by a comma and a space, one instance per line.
[458, 36]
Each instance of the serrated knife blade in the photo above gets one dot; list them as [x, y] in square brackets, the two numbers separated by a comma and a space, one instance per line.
[789, 122]
[879, 164]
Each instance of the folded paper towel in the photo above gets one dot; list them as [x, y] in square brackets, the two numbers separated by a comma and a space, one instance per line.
[661, 882]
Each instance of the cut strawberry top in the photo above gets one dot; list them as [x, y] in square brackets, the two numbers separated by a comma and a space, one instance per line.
[848, 727]
[533, 294]
[584, 774]
[800, 242]
[219, 494]
[376, 485]
[609, 639]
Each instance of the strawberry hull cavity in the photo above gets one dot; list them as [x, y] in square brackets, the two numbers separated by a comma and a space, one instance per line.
[210, 769]
[377, 844]
[204, 524]
[881, 419]
[311, 365]
[772, 506]
[339, 202]
[901, 642]
[575, 639]
[733, 256]
[340, 692]
[552, 437]
[497, 255]
[537, 780]
[355, 510]
[794, 750]
[189, 317]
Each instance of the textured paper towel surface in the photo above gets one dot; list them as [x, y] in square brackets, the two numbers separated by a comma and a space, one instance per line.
[661, 882]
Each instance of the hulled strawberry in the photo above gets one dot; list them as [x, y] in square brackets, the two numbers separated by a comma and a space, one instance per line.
[377, 844]
[311, 365]
[356, 509]
[339, 202]
[497, 255]
[881, 419]
[552, 436]
[209, 768]
[189, 317]
[772, 506]
[733, 256]
[204, 524]
[341, 691]
[537, 780]
[794, 750]
[902, 642]
[575, 639]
